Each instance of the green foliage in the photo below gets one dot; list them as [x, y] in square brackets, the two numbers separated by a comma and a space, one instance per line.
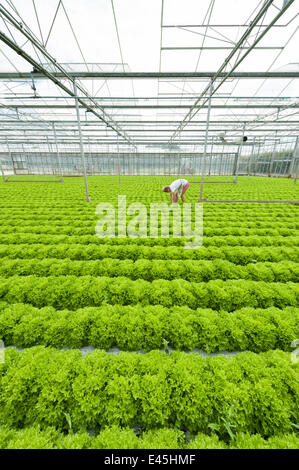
[247, 393]
[63, 287]
[114, 437]
[75, 292]
[139, 327]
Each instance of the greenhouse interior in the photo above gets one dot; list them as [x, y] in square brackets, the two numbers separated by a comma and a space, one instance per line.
[119, 330]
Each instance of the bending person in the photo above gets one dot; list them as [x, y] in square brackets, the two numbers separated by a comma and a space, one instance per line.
[177, 189]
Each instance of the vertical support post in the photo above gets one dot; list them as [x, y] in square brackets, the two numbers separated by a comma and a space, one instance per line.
[257, 157]
[160, 166]
[272, 157]
[118, 164]
[236, 167]
[151, 163]
[193, 159]
[292, 164]
[23, 157]
[43, 159]
[3, 175]
[135, 162]
[203, 168]
[211, 157]
[90, 157]
[278, 165]
[221, 159]
[49, 153]
[81, 141]
[132, 162]
[180, 153]
[250, 158]
[57, 151]
[296, 165]
[28, 164]
[10, 156]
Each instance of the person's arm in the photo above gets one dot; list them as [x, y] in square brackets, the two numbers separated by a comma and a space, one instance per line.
[170, 198]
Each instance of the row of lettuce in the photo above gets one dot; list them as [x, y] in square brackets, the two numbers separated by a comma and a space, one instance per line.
[52, 236]
[84, 228]
[116, 437]
[132, 328]
[73, 207]
[37, 200]
[255, 221]
[252, 393]
[149, 270]
[211, 231]
[251, 220]
[236, 254]
[74, 292]
[63, 287]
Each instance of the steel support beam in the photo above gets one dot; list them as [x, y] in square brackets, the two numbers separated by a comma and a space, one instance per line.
[118, 163]
[57, 151]
[129, 122]
[32, 181]
[236, 165]
[147, 75]
[102, 130]
[160, 97]
[244, 38]
[151, 106]
[43, 71]
[81, 142]
[211, 48]
[211, 155]
[250, 160]
[256, 157]
[10, 156]
[205, 25]
[250, 201]
[3, 176]
[272, 158]
[150, 143]
[292, 164]
[206, 142]
[210, 182]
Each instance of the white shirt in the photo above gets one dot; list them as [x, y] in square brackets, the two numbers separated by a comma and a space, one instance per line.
[177, 185]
